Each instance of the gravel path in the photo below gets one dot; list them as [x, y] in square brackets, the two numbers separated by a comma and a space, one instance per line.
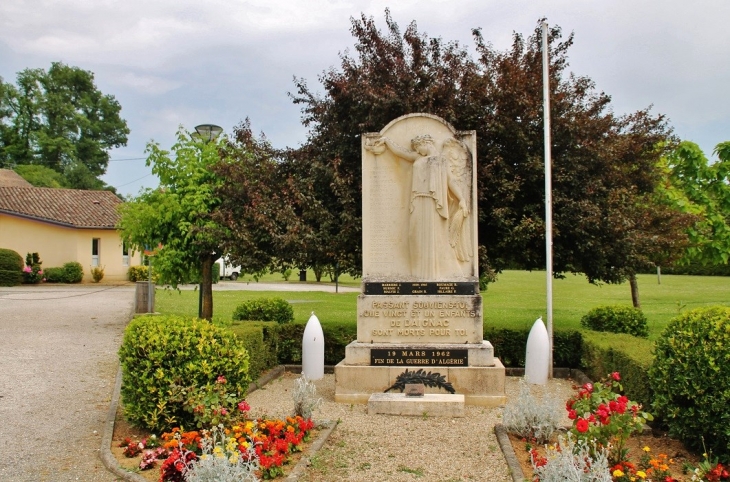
[388, 448]
[58, 361]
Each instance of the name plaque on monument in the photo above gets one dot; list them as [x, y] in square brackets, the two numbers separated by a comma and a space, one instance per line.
[421, 288]
[410, 358]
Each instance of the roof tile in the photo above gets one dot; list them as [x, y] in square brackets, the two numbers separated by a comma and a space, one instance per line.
[68, 207]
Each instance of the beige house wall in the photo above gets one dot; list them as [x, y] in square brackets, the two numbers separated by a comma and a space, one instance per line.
[57, 245]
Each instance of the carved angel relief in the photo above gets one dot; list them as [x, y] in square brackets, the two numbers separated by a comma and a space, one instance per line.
[440, 203]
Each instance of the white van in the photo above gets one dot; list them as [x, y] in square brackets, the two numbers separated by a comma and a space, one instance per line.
[228, 270]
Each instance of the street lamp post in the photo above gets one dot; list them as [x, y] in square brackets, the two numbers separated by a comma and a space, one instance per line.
[206, 133]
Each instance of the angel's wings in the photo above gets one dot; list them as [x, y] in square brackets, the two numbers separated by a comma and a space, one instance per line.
[458, 160]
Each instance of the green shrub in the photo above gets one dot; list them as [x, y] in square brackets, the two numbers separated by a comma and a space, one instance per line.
[11, 268]
[55, 275]
[617, 319]
[261, 344]
[605, 353]
[691, 379]
[97, 273]
[510, 345]
[74, 272]
[137, 273]
[161, 354]
[264, 309]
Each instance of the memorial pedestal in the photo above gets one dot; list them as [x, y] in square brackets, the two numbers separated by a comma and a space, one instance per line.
[436, 333]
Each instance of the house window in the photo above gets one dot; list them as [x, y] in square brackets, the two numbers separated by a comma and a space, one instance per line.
[95, 248]
[125, 254]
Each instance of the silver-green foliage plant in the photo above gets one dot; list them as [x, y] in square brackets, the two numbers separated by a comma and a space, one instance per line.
[530, 417]
[572, 461]
[305, 397]
[222, 461]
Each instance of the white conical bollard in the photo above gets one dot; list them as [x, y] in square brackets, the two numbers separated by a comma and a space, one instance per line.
[537, 357]
[313, 349]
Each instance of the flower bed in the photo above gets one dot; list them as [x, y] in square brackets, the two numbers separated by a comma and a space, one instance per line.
[605, 442]
[277, 444]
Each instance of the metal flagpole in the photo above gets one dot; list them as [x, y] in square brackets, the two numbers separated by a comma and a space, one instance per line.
[548, 193]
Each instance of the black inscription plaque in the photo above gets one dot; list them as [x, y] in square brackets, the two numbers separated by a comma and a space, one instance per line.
[419, 358]
[422, 288]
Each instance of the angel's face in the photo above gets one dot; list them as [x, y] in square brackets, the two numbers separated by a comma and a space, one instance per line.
[425, 148]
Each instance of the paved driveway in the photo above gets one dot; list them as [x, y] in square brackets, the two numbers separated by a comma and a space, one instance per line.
[58, 362]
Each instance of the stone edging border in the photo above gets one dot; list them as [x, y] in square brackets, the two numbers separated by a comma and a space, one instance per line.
[110, 462]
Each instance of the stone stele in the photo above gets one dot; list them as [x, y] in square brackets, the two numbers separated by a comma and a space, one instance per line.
[420, 307]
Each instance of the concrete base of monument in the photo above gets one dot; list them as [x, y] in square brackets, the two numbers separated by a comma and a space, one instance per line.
[481, 386]
[429, 405]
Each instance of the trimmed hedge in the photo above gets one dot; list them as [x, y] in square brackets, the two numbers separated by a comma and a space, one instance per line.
[265, 309]
[690, 377]
[71, 272]
[55, 275]
[11, 268]
[617, 319]
[160, 354]
[260, 340]
[510, 345]
[605, 353]
[274, 344]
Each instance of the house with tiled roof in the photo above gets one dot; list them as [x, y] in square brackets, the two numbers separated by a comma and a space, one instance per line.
[63, 225]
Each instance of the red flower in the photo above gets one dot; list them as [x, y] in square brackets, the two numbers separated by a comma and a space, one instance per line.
[572, 414]
[582, 425]
[616, 376]
[588, 387]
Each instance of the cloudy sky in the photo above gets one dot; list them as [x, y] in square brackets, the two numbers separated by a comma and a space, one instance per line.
[173, 62]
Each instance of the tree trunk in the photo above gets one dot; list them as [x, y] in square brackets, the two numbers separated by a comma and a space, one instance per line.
[206, 287]
[634, 291]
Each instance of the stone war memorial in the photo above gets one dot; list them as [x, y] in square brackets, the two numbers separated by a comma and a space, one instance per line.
[420, 309]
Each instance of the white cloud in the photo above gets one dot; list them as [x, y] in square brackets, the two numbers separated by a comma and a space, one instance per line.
[147, 84]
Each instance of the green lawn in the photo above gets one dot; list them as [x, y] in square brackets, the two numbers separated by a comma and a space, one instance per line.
[519, 297]
[515, 300]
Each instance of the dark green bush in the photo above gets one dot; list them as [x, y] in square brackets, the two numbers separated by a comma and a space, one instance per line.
[55, 275]
[260, 341]
[159, 354]
[605, 353]
[264, 309]
[74, 272]
[510, 345]
[617, 319]
[11, 268]
[691, 379]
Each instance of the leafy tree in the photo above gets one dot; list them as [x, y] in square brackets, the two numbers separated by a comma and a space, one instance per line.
[604, 166]
[696, 186]
[271, 210]
[59, 119]
[41, 176]
[178, 215]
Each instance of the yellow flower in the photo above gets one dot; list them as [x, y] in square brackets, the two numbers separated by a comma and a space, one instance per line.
[618, 473]
[646, 448]
[233, 458]
[641, 474]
